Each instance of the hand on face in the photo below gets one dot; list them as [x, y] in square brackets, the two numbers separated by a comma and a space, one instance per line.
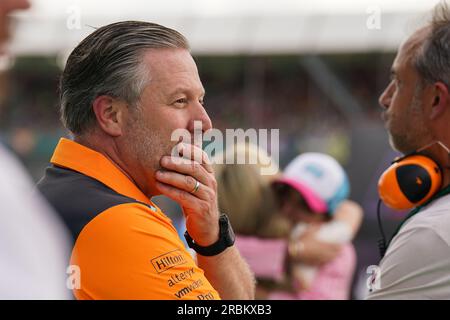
[178, 181]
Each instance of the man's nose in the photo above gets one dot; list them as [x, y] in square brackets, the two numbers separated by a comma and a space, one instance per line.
[201, 116]
[385, 99]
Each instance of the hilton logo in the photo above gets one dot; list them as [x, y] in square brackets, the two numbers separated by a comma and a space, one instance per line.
[168, 260]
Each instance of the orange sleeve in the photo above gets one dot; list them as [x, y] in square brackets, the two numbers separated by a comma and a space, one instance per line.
[131, 252]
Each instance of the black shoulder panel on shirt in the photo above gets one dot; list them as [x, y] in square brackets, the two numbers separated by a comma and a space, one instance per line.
[76, 197]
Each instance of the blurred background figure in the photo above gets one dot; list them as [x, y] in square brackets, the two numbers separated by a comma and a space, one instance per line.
[33, 251]
[312, 193]
[246, 193]
[284, 241]
[247, 197]
[6, 8]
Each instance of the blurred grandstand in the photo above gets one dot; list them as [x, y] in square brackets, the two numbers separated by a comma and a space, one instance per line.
[312, 69]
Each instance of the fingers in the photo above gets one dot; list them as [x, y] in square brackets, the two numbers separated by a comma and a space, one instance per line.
[178, 178]
[192, 152]
[182, 197]
[189, 168]
[184, 182]
[201, 215]
[185, 199]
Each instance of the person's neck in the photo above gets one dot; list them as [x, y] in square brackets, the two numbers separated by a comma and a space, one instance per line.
[109, 151]
[442, 157]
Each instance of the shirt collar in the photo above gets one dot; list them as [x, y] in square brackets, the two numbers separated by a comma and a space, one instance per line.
[74, 156]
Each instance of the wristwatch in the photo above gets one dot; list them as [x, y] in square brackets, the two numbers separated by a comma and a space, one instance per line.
[226, 239]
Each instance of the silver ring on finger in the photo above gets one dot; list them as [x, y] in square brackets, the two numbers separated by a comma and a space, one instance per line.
[197, 186]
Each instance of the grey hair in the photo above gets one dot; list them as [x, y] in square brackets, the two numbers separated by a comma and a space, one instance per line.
[432, 59]
[109, 62]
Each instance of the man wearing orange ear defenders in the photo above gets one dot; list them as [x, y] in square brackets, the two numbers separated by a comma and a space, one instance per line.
[417, 113]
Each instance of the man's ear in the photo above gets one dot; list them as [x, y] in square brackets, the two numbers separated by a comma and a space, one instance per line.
[110, 114]
[440, 101]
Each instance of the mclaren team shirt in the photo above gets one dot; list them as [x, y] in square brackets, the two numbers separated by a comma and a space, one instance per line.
[125, 247]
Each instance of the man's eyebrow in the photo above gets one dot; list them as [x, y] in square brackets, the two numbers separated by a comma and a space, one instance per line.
[186, 90]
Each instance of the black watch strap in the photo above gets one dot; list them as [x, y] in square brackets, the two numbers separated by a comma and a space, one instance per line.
[226, 239]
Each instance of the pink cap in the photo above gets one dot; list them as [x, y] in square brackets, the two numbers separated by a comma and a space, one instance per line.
[320, 179]
[314, 202]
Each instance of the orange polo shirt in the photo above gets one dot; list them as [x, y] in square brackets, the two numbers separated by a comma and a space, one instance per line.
[125, 246]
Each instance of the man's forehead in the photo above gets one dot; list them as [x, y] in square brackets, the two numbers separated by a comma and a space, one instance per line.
[174, 67]
[409, 47]
[169, 60]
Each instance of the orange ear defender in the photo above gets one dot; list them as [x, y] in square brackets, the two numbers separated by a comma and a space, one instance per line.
[409, 182]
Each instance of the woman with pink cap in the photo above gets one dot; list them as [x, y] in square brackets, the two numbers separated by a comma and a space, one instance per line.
[312, 194]
[262, 233]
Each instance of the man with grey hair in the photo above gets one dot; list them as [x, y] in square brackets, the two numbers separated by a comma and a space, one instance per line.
[417, 115]
[125, 89]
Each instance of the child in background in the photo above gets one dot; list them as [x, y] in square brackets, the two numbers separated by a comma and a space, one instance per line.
[262, 233]
[312, 194]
